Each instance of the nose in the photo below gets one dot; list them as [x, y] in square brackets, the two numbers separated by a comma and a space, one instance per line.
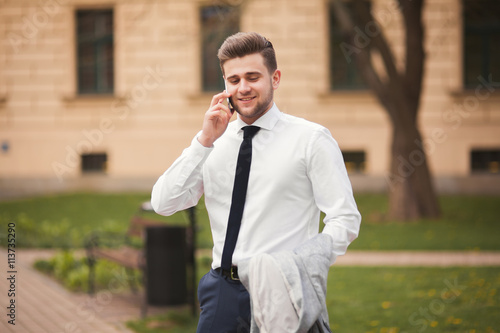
[244, 86]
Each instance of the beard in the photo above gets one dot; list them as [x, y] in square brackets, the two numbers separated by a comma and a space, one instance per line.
[262, 106]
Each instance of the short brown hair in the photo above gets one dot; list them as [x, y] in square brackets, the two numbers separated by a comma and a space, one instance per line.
[246, 43]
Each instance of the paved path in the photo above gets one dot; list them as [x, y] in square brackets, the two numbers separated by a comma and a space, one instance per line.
[417, 258]
[44, 306]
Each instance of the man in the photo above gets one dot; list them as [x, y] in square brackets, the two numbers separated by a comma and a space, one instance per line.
[296, 171]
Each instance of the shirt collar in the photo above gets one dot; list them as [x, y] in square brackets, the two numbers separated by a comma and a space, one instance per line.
[267, 121]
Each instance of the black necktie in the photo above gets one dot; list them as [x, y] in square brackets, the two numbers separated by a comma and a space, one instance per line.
[239, 195]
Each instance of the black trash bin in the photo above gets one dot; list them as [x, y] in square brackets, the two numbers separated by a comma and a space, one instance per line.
[166, 261]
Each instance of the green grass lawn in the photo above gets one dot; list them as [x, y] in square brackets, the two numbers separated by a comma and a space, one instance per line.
[62, 221]
[391, 300]
[414, 299]
[360, 299]
[467, 223]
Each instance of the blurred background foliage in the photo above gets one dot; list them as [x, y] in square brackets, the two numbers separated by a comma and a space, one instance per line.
[64, 221]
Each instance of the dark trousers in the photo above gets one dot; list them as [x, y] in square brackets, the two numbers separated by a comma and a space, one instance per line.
[224, 303]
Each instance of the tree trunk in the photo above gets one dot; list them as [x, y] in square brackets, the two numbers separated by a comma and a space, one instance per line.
[411, 192]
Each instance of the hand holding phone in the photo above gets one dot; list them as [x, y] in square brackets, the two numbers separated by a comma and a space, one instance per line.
[216, 119]
[228, 99]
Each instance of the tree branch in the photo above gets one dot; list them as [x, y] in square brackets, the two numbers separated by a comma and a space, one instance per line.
[378, 40]
[362, 57]
[391, 94]
[415, 54]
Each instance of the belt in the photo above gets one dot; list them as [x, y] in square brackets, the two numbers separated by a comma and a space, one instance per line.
[232, 273]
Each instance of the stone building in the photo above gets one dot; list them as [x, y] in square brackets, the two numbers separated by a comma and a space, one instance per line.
[106, 94]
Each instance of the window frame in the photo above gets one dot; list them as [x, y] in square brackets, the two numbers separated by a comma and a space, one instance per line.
[354, 160]
[472, 30]
[89, 161]
[355, 81]
[211, 75]
[101, 70]
[484, 161]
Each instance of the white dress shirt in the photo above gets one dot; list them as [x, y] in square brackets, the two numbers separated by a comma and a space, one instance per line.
[297, 171]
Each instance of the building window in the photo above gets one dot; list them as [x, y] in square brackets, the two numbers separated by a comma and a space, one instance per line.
[355, 161]
[485, 161]
[481, 41]
[95, 60]
[92, 163]
[344, 75]
[217, 23]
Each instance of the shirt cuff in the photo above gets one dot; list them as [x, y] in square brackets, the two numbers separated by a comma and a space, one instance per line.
[196, 142]
[200, 149]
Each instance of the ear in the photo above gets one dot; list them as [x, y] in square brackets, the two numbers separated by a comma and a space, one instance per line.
[276, 78]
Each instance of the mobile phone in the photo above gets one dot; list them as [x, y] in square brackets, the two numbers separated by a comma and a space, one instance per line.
[228, 100]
